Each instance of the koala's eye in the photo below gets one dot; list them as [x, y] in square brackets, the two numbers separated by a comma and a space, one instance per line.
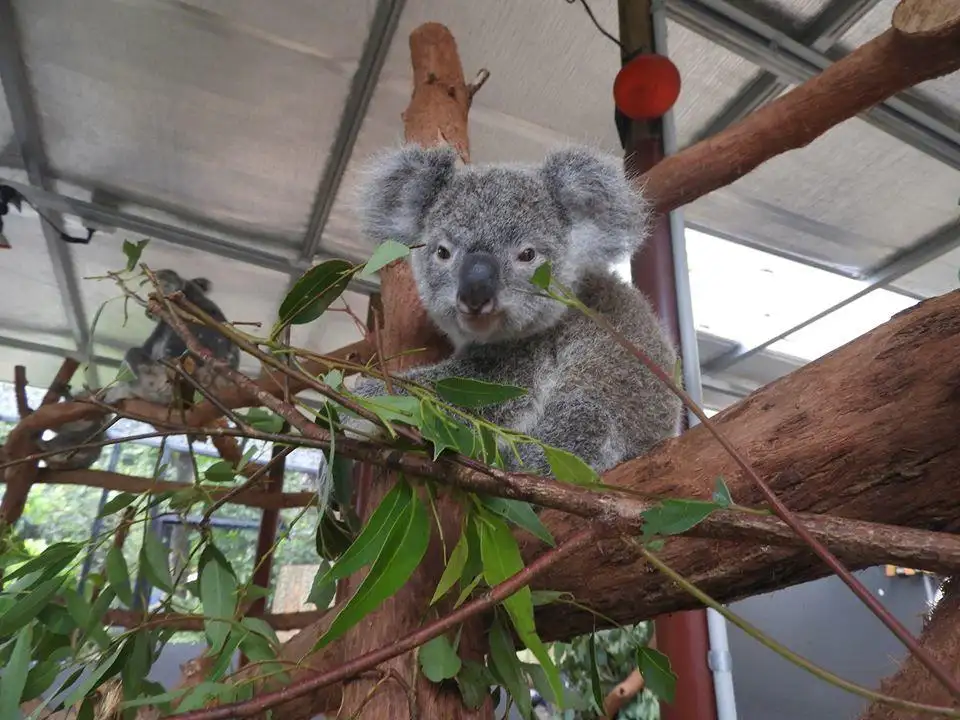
[526, 255]
[442, 252]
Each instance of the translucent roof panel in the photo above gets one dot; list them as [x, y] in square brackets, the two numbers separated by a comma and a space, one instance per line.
[198, 112]
[848, 200]
[790, 16]
[934, 278]
[843, 326]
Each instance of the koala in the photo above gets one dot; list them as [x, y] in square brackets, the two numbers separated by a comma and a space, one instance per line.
[143, 376]
[150, 379]
[477, 235]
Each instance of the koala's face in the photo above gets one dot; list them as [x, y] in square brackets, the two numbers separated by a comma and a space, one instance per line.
[479, 233]
[171, 281]
[482, 240]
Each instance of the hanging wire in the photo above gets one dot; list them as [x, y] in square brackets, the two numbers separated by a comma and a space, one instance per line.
[599, 27]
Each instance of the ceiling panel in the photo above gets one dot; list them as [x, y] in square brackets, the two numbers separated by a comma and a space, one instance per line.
[849, 199]
[149, 98]
[935, 278]
[790, 16]
[31, 299]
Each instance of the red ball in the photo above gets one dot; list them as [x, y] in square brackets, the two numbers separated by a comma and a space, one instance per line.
[647, 87]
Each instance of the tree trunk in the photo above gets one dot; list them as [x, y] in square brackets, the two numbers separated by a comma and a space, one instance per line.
[867, 432]
[437, 113]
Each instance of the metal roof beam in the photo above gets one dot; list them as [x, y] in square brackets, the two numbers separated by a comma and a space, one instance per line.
[386, 17]
[26, 125]
[825, 32]
[901, 264]
[93, 213]
[44, 349]
[919, 124]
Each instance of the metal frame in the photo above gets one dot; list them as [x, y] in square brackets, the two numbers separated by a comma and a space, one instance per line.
[375, 49]
[911, 120]
[19, 98]
[826, 31]
[934, 246]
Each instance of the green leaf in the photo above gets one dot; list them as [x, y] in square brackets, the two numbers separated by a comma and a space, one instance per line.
[438, 660]
[119, 576]
[507, 666]
[333, 537]
[333, 379]
[520, 514]
[104, 670]
[656, 545]
[323, 590]
[49, 562]
[224, 653]
[57, 620]
[394, 408]
[374, 535]
[133, 251]
[657, 674]
[545, 597]
[474, 681]
[14, 677]
[567, 467]
[401, 554]
[541, 276]
[467, 589]
[262, 628]
[721, 494]
[264, 420]
[501, 560]
[218, 593]
[117, 502]
[444, 433]
[153, 560]
[454, 568]
[385, 254]
[313, 293]
[595, 686]
[27, 608]
[94, 627]
[137, 663]
[469, 393]
[672, 517]
[220, 472]
[39, 679]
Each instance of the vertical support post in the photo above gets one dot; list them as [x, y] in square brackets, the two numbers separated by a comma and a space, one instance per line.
[683, 636]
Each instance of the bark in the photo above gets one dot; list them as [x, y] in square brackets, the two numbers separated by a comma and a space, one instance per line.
[867, 432]
[940, 637]
[925, 18]
[437, 113]
[888, 64]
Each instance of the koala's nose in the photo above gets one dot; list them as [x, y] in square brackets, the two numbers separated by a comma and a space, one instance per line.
[478, 283]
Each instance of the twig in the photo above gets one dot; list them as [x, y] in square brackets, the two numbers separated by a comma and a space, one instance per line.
[785, 514]
[478, 82]
[61, 382]
[783, 651]
[20, 389]
[248, 485]
[370, 660]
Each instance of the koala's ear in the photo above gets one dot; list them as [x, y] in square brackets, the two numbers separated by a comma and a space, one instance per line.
[400, 188]
[203, 283]
[608, 216]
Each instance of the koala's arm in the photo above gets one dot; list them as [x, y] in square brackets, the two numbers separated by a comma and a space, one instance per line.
[425, 375]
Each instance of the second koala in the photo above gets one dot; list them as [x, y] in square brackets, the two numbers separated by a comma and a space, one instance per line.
[478, 234]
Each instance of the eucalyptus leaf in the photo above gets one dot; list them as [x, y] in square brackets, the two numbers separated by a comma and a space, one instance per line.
[264, 420]
[137, 663]
[117, 502]
[133, 251]
[393, 408]
[502, 560]
[324, 589]
[438, 660]
[401, 554]
[507, 666]
[454, 568]
[119, 576]
[541, 276]
[48, 563]
[103, 671]
[595, 686]
[39, 679]
[721, 494]
[520, 514]
[385, 254]
[154, 561]
[15, 672]
[445, 433]
[28, 607]
[672, 516]
[658, 676]
[313, 293]
[220, 472]
[474, 681]
[567, 467]
[218, 593]
[333, 537]
[470, 393]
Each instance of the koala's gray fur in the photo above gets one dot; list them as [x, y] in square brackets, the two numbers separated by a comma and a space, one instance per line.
[143, 374]
[577, 211]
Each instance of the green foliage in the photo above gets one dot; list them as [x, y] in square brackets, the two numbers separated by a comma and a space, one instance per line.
[613, 653]
[133, 251]
[470, 393]
[438, 659]
[385, 254]
[313, 293]
[656, 671]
